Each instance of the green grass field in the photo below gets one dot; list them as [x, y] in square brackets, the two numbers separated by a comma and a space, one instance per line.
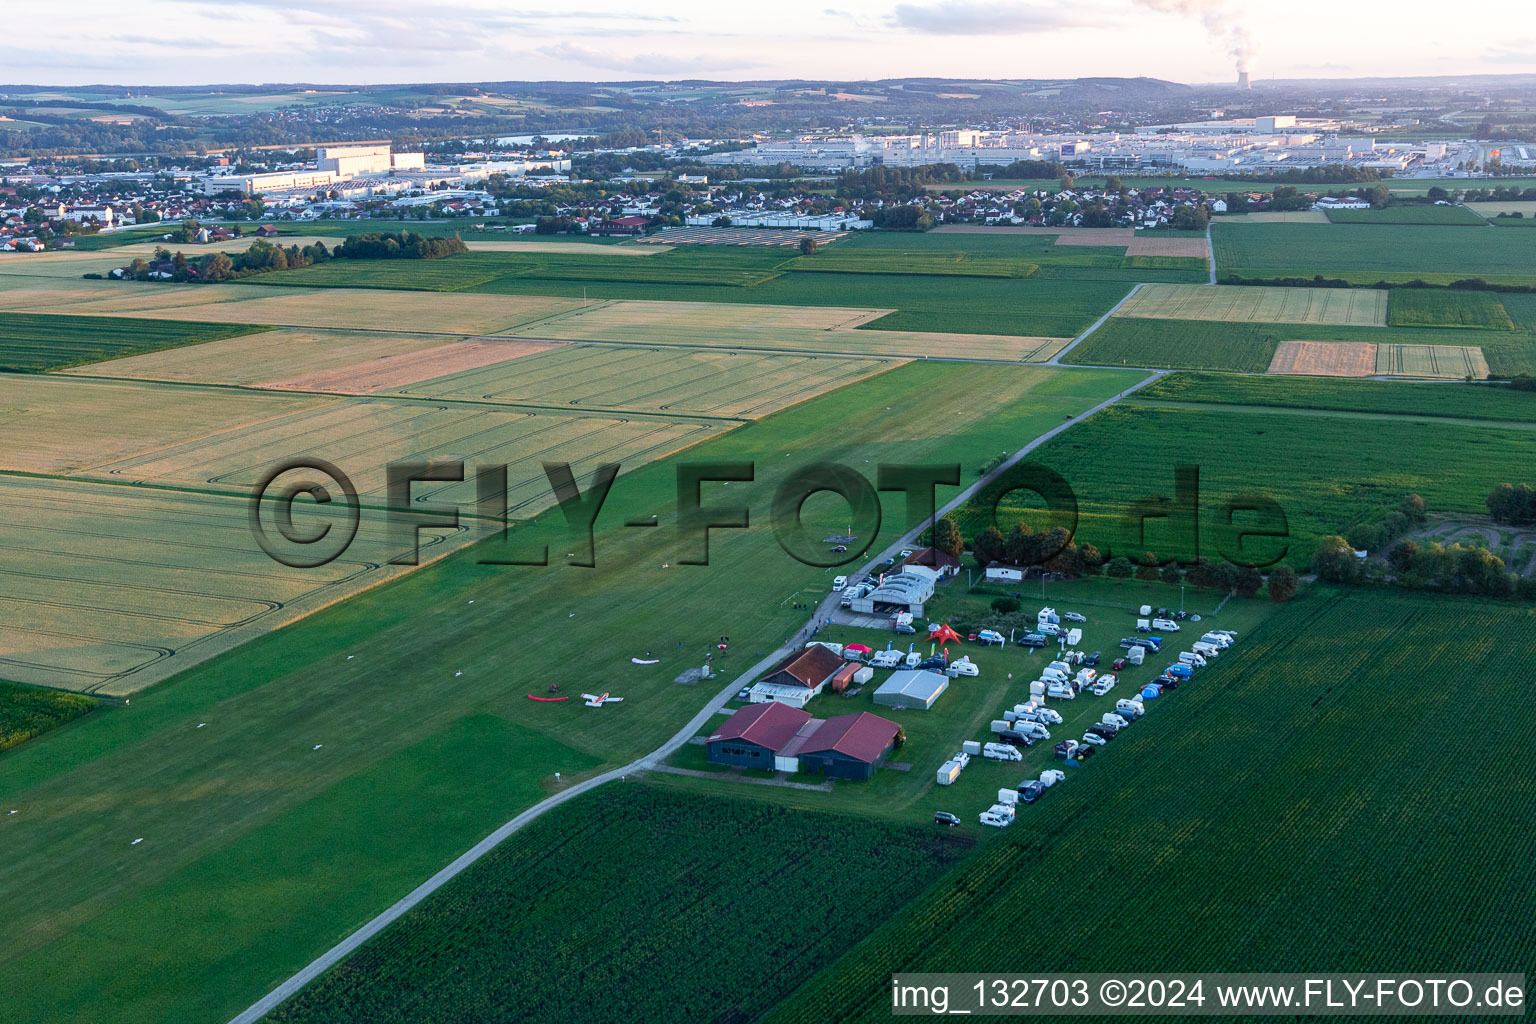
[1366, 254]
[33, 343]
[331, 836]
[1424, 307]
[28, 711]
[1415, 214]
[680, 893]
[1260, 818]
[1054, 303]
[1249, 347]
[1412, 398]
[1298, 456]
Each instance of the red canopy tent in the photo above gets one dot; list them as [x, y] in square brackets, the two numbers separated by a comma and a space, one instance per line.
[944, 635]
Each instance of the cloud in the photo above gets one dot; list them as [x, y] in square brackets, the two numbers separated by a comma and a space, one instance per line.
[1221, 18]
[641, 63]
[1520, 51]
[981, 18]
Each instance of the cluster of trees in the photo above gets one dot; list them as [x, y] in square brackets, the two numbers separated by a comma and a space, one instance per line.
[1373, 536]
[399, 245]
[1328, 174]
[1245, 581]
[1053, 551]
[1513, 503]
[902, 218]
[1457, 568]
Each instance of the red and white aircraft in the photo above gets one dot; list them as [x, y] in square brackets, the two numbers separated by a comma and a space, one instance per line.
[597, 700]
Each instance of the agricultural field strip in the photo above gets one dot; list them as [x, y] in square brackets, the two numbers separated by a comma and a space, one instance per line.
[655, 758]
[1259, 304]
[363, 435]
[113, 588]
[697, 382]
[1339, 414]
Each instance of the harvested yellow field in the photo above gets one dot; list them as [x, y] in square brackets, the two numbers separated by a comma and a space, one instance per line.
[397, 371]
[1491, 210]
[1169, 245]
[1444, 361]
[1279, 217]
[362, 436]
[1242, 304]
[366, 308]
[59, 424]
[1325, 358]
[111, 589]
[62, 263]
[257, 358]
[675, 380]
[775, 328]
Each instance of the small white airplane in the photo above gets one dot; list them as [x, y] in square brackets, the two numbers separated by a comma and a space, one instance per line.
[597, 700]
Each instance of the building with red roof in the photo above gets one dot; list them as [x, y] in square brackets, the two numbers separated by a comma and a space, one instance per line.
[777, 737]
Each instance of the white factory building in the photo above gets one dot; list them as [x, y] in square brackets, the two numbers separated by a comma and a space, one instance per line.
[374, 169]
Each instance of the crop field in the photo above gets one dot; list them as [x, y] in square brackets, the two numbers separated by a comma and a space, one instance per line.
[1278, 217]
[933, 263]
[1491, 211]
[1188, 246]
[68, 424]
[645, 882]
[363, 435]
[1426, 214]
[1261, 305]
[699, 235]
[28, 711]
[1405, 397]
[1325, 358]
[1453, 361]
[395, 371]
[828, 329]
[1250, 347]
[269, 356]
[399, 786]
[1513, 222]
[1233, 836]
[110, 589]
[395, 312]
[660, 380]
[1030, 307]
[467, 270]
[1425, 307]
[1296, 456]
[31, 343]
[1366, 254]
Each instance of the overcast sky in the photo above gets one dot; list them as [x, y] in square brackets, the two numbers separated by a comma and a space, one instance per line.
[170, 42]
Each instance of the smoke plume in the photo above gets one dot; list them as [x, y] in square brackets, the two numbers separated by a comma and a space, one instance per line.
[1224, 24]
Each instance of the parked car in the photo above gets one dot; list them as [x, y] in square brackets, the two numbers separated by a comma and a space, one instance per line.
[1118, 721]
[905, 629]
[1074, 617]
[1030, 791]
[1103, 685]
[1092, 659]
[1034, 640]
[994, 819]
[990, 637]
[1180, 616]
[839, 582]
[1050, 629]
[1050, 716]
[1167, 682]
[744, 694]
[1099, 729]
[1061, 691]
[839, 549]
[1014, 738]
[935, 663]
[1093, 739]
[945, 818]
